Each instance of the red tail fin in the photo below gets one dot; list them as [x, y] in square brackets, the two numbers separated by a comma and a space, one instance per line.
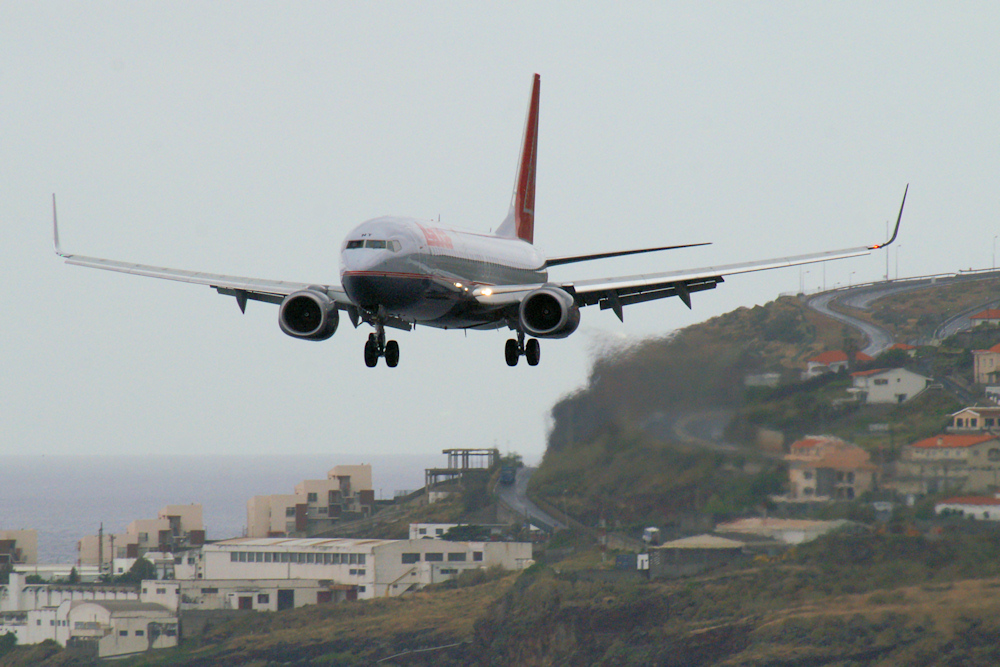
[520, 221]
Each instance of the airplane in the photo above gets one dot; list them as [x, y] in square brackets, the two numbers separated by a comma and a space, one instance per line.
[400, 272]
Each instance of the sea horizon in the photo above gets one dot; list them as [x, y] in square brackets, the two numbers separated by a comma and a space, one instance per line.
[65, 497]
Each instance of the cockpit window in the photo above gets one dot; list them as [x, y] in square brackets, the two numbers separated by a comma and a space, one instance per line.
[395, 246]
[351, 245]
[372, 243]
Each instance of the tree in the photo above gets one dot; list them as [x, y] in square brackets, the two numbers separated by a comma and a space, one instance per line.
[74, 576]
[8, 641]
[140, 571]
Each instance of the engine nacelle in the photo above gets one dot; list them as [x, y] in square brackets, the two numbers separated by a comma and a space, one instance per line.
[549, 312]
[309, 314]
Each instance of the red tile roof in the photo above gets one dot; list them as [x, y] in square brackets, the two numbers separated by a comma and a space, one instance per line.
[874, 371]
[833, 356]
[995, 348]
[970, 500]
[951, 440]
[988, 314]
[902, 346]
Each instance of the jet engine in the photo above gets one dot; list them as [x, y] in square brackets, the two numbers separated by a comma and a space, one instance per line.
[309, 314]
[549, 312]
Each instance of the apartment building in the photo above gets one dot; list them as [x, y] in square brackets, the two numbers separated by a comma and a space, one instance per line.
[18, 547]
[315, 505]
[175, 528]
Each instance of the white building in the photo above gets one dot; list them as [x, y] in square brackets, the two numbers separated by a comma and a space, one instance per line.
[982, 508]
[107, 620]
[887, 385]
[357, 568]
[424, 531]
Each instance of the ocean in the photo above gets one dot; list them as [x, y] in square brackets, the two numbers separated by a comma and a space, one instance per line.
[67, 497]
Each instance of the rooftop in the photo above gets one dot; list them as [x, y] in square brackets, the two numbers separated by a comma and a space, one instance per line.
[833, 356]
[299, 542]
[988, 314]
[971, 500]
[952, 440]
[702, 542]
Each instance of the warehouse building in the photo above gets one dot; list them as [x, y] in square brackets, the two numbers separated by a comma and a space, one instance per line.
[354, 568]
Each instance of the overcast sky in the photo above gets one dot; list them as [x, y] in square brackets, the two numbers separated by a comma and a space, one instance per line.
[249, 138]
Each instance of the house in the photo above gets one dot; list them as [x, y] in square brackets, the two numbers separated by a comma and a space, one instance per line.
[984, 508]
[887, 385]
[946, 462]
[986, 365]
[692, 555]
[975, 420]
[988, 316]
[18, 547]
[832, 361]
[827, 468]
[315, 505]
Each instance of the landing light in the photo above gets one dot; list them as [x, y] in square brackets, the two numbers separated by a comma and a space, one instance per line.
[458, 285]
[487, 292]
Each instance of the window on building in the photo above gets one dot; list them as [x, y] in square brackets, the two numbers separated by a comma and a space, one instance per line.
[140, 633]
[361, 573]
[850, 477]
[243, 556]
[310, 558]
[477, 555]
[324, 509]
[456, 558]
[289, 511]
[434, 557]
[421, 531]
[807, 474]
[989, 421]
[170, 631]
[143, 537]
[123, 633]
[161, 591]
[353, 559]
[210, 591]
[361, 559]
[361, 589]
[260, 556]
[411, 558]
[336, 559]
[263, 598]
[881, 381]
[311, 497]
[439, 531]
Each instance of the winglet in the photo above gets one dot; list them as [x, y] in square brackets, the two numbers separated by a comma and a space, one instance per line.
[898, 219]
[55, 229]
[520, 221]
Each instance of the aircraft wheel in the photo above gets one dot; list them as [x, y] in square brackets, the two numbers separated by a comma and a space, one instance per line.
[532, 351]
[391, 353]
[371, 353]
[511, 352]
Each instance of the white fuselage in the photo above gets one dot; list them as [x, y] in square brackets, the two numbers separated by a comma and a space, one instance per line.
[422, 272]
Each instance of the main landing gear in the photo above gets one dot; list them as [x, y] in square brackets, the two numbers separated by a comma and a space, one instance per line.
[377, 346]
[515, 348]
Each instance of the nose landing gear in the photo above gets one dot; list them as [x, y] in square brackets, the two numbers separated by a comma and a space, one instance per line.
[515, 348]
[377, 346]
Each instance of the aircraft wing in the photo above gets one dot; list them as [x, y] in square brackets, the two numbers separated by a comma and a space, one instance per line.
[255, 289]
[617, 292]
